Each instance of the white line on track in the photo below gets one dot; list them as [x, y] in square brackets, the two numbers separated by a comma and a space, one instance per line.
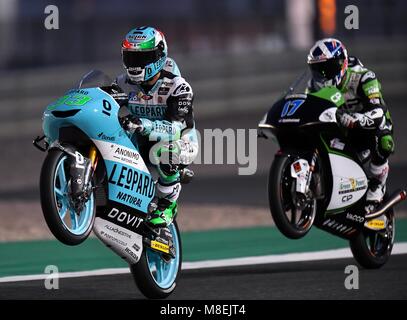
[399, 248]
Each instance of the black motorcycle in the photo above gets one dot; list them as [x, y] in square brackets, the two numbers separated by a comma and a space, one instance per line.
[318, 177]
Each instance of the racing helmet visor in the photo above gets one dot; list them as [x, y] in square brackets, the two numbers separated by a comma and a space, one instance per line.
[140, 59]
[328, 69]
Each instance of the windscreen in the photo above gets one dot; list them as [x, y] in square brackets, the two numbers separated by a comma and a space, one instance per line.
[93, 79]
[301, 85]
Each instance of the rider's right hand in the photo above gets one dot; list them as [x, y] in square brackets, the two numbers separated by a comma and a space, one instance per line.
[132, 124]
[348, 120]
[117, 94]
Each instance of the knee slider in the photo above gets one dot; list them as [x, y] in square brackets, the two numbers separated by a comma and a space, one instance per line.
[169, 159]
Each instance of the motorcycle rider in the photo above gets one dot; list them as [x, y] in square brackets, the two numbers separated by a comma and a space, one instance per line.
[160, 103]
[364, 113]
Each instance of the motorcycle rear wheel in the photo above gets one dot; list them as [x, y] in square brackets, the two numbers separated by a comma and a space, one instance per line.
[372, 249]
[155, 276]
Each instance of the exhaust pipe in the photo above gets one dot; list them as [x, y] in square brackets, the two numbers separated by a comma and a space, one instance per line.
[396, 197]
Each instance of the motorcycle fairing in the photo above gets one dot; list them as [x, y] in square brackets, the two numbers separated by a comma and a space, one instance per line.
[130, 183]
[349, 182]
[130, 186]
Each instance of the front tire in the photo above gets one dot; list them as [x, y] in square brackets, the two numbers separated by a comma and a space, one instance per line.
[66, 225]
[372, 249]
[280, 189]
[155, 277]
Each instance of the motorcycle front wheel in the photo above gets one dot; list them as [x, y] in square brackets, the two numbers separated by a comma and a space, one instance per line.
[292, 221]
[66, 225]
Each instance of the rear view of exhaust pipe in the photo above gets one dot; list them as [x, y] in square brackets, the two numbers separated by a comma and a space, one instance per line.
[396, 197]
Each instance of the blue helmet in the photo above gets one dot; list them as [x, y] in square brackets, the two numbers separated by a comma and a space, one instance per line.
[328, 60]
[144, 52]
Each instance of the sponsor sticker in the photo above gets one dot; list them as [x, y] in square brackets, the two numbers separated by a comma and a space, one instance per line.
[160, 246]
[375, 224]
[137, 37]
[374, 96]
[102, 136]
[297, 167]
[355, 217]
[144, 96]
[133, 97]
[352, 185]
[163, 91]
[151, 111]
[373, 90]
[181, 89]
[337, 144]
[288, 120]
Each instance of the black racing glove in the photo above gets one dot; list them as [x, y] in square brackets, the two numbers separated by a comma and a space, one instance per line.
[117, 94]
[132, 124]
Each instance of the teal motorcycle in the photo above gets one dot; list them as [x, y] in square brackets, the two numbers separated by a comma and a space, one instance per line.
[94, 178]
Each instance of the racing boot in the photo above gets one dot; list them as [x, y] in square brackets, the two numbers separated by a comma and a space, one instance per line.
[165, 209]
[377, 185]
[163, 215]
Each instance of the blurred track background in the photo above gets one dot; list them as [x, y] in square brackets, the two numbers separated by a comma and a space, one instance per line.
[238, 55]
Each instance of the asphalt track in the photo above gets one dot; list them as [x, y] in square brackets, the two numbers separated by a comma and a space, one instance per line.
[317, 280]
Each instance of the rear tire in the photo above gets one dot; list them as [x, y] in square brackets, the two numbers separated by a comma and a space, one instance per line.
[49, 202]
[277, 194]
[143, 275]
[376, 256]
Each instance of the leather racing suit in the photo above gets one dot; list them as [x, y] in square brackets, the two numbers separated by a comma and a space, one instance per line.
[166, 112]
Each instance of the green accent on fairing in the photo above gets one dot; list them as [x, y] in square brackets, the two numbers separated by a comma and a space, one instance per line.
[331, 94]
[387, 143]
[58, 102]
[31, 257]
[334, 211]
[147, 45]
[372, 87]
[169, 215]
[73, 99]
[337, 211]
[333, 151]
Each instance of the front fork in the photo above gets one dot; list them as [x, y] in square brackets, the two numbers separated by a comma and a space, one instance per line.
[93, 156]
[302, 171]
[81, 171]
